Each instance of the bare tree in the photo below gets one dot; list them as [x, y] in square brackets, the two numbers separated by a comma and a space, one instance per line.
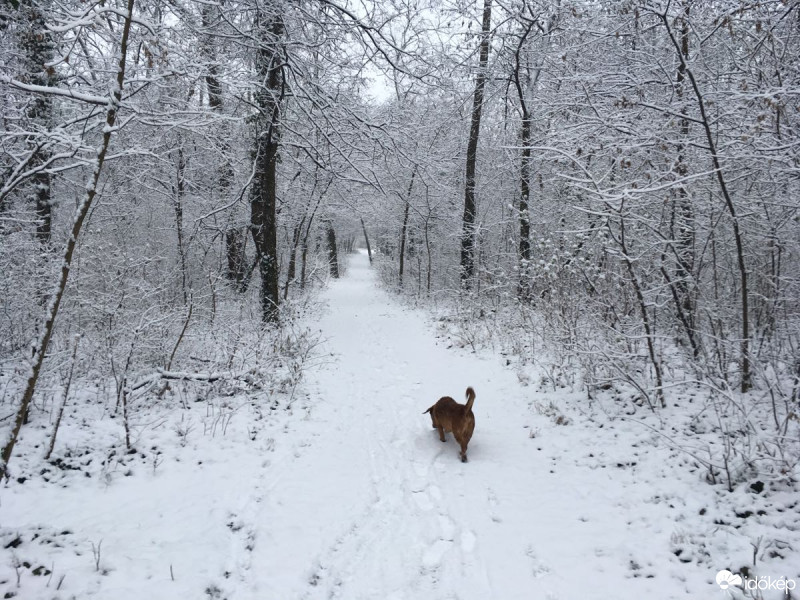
[40, 348]
[269, 61]
[468, 221]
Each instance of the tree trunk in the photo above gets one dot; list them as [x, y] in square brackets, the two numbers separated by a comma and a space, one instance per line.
[234, 239]
[178, 206]
[524, 288]
[38, 46]
[304, 245]
[303, 261]
[268, 98]
[64, 400]
[524, 253]
[292, 269]
[333, 259]
[404, 228]
[40, 349]
[648, 328]
[428, 252]
[366, 239]
[468, 226]
[682, 216]
[236, 271]
[525, 93]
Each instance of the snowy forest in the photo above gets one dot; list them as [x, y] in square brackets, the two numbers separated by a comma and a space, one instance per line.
[602, 196]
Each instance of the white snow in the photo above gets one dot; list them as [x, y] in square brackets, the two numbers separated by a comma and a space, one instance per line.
[351, 495]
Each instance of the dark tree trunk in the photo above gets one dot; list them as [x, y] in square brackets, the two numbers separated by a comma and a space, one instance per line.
[268, 98]
[529, 82]
[235, 244]
[235, 241]
[303, 262]
[524, 254]
[524, 290]
[428, 253]
[366, 239]
[292, 269]
[404, 228]
[682, 216]
[468, 226]
[37, 44]
[333, 258]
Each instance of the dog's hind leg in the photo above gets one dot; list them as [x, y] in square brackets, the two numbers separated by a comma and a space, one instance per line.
[441, 432]
[463, 453]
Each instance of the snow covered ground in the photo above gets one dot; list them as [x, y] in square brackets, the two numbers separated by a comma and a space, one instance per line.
[349, 493]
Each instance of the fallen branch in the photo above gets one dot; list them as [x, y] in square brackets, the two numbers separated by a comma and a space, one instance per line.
[183, 376]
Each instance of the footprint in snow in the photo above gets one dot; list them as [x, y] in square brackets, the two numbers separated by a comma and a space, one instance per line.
[432, 557]
[250, 540]
[493, 503]
[421, 469]
[539, 568]
[435, 492]
[422, 500]
[448, 527]
[468, 540]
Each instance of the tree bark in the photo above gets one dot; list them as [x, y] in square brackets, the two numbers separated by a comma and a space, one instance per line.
[524, 253]
[38, 46]
[468, 221]
[64, 400]
[366, 239]
[234, 239]
[525, 93]
[292, 269]
[404, 227]
[236, 269]
[682, 216]
[268, 98]
[333, 258]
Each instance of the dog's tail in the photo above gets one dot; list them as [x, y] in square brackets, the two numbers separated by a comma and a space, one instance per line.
[427, 411]
[470, 398]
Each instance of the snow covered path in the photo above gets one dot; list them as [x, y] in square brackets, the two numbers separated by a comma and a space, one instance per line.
[373, 505]
[351, 495]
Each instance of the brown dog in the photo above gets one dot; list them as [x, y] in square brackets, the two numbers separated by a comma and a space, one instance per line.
[449, 415]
